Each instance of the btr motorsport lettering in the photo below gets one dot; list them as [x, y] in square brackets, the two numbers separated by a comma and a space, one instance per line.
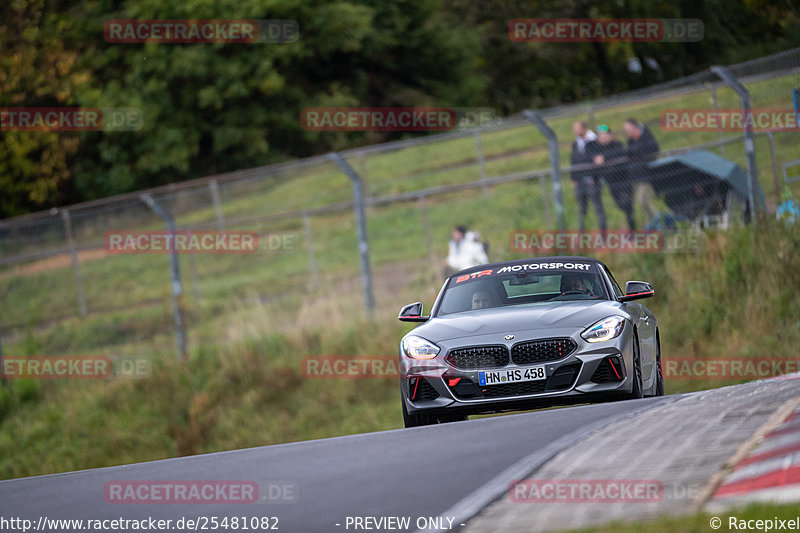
[545, 266]
[526, 267]
[474, 275]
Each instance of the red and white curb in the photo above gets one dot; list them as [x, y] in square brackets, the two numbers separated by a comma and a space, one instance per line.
[770, 473]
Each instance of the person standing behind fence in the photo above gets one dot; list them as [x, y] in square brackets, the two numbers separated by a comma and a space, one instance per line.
[587, 186]
[465, 251]
[612, 162]
[642, 148]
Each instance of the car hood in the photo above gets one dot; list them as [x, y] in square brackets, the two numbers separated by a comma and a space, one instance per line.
[549, 315]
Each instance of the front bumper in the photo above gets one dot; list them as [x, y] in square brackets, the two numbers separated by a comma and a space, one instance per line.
[592, 371]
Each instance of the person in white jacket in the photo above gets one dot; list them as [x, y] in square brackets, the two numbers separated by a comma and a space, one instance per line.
[465, 251]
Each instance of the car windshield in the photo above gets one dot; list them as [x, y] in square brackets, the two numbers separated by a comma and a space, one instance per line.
[528, 284]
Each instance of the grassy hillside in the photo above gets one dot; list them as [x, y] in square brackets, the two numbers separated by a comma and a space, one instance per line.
[243, 384]
[128, 296]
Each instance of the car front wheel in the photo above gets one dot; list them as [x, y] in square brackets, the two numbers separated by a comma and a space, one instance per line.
[660, 375]
[636, 374]
[415, 420]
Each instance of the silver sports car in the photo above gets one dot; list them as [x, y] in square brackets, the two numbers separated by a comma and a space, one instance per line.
[528, 333]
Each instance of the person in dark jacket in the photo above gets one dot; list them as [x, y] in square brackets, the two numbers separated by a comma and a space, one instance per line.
[587, 186]
[612, 162]
[642, 148]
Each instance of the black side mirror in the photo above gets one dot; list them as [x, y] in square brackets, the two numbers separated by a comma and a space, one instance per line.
[412, 313]
[636, 290]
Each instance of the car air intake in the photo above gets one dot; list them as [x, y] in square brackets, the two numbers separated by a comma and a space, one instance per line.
[542, 350]
[563, 377]
[608, 371]
[478, 357]
[466, 389]
[514, 389]
[421, 390]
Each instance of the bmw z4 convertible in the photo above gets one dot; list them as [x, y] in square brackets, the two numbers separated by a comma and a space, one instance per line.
[526, 334]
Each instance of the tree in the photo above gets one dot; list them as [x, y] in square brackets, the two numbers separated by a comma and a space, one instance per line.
[36, 70]
[212, 108]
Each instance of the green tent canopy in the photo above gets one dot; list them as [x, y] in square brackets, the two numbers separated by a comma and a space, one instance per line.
[699, 183]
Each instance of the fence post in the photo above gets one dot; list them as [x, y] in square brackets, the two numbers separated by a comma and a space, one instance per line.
[312, 259]
[362, 166]
[217, 204]
[555, 165]
[75, 263]
[715, 104]
[361, 228]
[175, 275]
[749, 139]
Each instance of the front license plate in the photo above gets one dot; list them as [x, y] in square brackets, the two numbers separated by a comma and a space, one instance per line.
[514, 375]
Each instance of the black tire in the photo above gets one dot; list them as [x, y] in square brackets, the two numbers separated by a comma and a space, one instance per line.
[636, 374]
[412, 421]
[660, 378]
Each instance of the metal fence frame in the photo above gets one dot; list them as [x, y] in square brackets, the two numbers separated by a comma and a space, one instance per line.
[731, 76]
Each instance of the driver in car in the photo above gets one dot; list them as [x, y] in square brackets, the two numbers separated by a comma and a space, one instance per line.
[575, 283]
[482, 300]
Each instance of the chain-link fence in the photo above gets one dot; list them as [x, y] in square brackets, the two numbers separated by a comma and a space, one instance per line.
[65, 290]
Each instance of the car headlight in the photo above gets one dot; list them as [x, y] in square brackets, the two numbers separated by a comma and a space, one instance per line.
[419, 348]
[606, 329]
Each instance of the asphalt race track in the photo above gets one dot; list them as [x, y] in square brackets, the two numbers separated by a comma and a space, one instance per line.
[439, 477]
[419, 472]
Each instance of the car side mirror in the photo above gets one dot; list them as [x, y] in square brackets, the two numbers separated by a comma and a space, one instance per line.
[412, 313]
[636, 290]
